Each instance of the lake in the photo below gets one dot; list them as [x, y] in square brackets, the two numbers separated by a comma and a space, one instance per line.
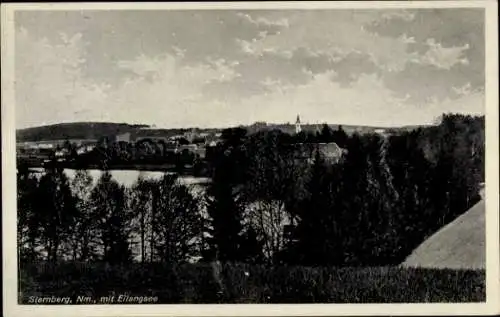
[129, 177]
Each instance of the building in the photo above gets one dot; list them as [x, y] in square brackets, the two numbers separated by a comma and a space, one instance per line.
[176, 137]
[39, 145]
[152, 138]
[85, 149]
[331, 152]
[191, 135]
[298, 128]
[212, 143]
[62, 153]
[188, 147]
[124, 137]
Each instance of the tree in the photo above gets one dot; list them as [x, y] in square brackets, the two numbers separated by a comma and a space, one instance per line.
[270, 166]
[27, 226]
[385, 203]
[355, 203]
[326, 133]
[83, 242]
[252, 247]
[318, 236]
[231, 155]
[270, 188]
[301, 137]
[340, 137]
[145, 149]
[178, 221]
[183, 141]
[267, 220]
[55, 211]
[141, 208]
[412, 174]
[113, 230]
[225, 209]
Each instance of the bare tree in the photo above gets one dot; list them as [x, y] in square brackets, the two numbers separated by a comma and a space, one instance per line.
[177, 221]
[82, 244]
[112, 219]
[140, 203]
[269, 219]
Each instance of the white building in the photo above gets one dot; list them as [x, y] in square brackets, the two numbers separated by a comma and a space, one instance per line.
[298, 128]
[85, 149]
[124, 137]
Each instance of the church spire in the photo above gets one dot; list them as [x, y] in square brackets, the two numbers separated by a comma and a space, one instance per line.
[297, 125]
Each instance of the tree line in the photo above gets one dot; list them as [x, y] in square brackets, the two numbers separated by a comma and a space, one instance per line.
[373, 207]
[122, 153]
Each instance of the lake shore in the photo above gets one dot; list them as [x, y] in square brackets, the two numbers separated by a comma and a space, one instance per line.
[128, 177]
[187, 170]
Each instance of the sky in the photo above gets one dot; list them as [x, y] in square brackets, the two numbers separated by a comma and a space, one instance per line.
[219, 68]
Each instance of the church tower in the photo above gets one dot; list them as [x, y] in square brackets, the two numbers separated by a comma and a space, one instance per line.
[297, 125]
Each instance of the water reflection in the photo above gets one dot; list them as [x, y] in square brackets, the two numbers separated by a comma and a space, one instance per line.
[129, 177]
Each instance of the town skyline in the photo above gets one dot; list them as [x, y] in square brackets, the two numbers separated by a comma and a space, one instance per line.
[222, 68]
[290, 123]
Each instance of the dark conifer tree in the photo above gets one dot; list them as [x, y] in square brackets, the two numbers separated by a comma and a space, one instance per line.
[326, 134]
[55, 210]
[251, 246]
[225, 209]
[340, 137]
[318, 236]
[412, 177]
[27, 224]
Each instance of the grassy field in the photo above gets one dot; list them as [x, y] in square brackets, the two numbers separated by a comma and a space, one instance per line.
[238, 283]
[458, 245]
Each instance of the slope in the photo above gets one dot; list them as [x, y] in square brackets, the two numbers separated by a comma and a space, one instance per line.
[458, 245]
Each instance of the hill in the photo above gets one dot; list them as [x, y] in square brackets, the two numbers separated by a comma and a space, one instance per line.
[76, 130]
[458, 245]
[88, 130]
[96, 130]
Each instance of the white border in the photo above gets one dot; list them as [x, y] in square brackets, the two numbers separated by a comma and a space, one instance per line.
[11, 308]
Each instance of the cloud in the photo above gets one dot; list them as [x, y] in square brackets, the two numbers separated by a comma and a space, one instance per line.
[49, 86]
[366, 101]
[173, 95]
[225, 67]
[323, 100]
[467, 102]
[124, 35]
[462, 91]
[449, 39]
[444, 57]
[352, 66]
[334, 33]
[282, 22]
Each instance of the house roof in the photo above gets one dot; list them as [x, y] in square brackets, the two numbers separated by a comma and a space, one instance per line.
[328, 150]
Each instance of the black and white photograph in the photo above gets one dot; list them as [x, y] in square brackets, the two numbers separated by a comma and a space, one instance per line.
[185, 154]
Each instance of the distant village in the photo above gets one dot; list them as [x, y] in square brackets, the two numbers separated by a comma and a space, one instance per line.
[193, 142]
[146, 144]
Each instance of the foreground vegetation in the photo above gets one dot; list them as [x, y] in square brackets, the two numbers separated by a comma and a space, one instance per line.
[264, 206]
[243, 283]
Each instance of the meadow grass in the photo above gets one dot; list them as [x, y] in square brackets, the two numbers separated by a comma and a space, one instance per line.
[242, 283]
